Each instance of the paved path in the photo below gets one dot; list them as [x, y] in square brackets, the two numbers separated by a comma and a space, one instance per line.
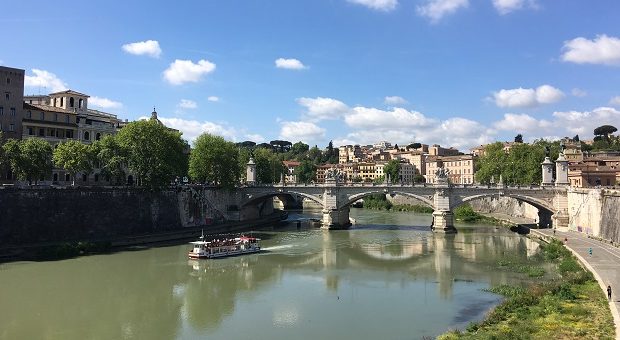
[604, 263]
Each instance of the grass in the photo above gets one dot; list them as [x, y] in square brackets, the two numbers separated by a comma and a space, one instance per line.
[569, 307]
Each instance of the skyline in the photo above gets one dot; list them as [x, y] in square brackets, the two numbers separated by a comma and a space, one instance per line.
[453, 72]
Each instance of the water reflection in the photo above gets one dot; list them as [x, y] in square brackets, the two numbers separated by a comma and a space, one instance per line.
[306, 284]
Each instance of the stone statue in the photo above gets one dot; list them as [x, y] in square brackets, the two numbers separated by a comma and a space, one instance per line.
[441, 173]
[547, 151]
[562, 146]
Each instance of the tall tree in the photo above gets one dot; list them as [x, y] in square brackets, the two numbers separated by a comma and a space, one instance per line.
[214, 160]
[30, 159]
[111, 158]
[315, 155]
[392, 168]
[306, 171]
[74, 157]
[605, 131]
[154, 152]
[519, 138]
[414, 146]
[299, 150]
[492, 163]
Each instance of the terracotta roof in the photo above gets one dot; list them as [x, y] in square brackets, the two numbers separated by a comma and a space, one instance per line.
[75, 93]
[48, 108]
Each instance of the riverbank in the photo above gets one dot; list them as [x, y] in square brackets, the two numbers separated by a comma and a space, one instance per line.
[61, 250]
[570, 306]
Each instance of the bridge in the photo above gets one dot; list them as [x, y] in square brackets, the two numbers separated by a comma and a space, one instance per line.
[335, 197]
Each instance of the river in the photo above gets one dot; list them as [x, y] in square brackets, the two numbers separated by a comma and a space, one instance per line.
[387, 277]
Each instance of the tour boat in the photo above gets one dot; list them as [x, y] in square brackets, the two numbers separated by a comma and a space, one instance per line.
[223, 247]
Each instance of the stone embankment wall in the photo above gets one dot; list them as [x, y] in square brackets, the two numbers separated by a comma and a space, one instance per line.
[37, 215]
[595, 212]
[505, 206]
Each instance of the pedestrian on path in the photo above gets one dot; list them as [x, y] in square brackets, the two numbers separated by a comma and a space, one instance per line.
[608, 292]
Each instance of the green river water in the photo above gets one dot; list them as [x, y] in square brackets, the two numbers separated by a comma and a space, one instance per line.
[388, 277]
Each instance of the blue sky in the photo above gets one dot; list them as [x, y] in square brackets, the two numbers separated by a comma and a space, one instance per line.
[453, 72]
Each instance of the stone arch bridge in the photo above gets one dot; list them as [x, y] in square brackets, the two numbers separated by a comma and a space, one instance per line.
[336, 198]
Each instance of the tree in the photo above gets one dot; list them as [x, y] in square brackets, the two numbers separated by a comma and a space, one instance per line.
[30, 159]
[247, 144]
[73, 156]
[392, 168]
[519, 138]
[269, 167]
[214, 160]
[605, 131]
[331, 154]
[299, 150]
[492, 163]
[414, 146]
[281, 146]
[154, 152]
[306, 171]
[111, 158]
[315, 155]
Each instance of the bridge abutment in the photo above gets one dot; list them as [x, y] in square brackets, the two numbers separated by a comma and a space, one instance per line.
[443, 222]
[334, 219]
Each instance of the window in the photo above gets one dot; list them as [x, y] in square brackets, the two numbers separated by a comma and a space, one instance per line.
[80, 103]
[29, 114]
[62, 101]
[68, 119]
[86, 135]
[42, 115]
[54, 101]
[98, 136]
[11, 127]
[0, 126]
[69, 133]
[12, 112]
[1, 110]
[41, 132]
[71, 102]
[8, 80]
[67, 177]
[7, 96]
[30, 131]
[55, 117]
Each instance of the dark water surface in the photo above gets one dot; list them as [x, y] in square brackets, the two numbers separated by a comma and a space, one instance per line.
[386, 278]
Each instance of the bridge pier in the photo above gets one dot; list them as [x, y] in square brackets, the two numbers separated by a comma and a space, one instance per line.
[443, 222]
[334, 219]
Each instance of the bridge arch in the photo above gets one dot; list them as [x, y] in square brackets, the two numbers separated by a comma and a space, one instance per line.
[545, 209]
[356, 197]
[266, 195]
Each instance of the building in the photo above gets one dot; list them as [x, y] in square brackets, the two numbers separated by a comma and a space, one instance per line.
[290, 166]
[460, 168]
[11, 101]
[349, 154]
[367, 171]
[437, 150]
[572, 150]
[594, 172]
[415, 158]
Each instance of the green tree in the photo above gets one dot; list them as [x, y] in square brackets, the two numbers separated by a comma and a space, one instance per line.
[214, 160]
[111, 158]
[392, 168]
[30, 159]
[299, 150]
[492, 163]
[74, 157]
[519, 138]
[315, 155]
[306, 171]
[414, 146]
[154, 152]
[604, 131]
[269, 167]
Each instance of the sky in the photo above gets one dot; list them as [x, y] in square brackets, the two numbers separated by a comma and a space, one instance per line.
[452, 72]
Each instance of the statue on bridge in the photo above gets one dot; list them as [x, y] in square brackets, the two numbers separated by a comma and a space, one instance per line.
[334, 174]
[441, 175]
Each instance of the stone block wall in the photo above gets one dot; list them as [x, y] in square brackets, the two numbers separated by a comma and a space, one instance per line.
[595, 212]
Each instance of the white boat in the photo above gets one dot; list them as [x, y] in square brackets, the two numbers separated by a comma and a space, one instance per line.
[223, 247]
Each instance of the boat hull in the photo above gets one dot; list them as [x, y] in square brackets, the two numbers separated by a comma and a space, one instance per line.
[193, 255]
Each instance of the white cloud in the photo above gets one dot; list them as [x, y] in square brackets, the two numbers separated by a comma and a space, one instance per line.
[149, 47]
[397, 118]
[521, 97]
[104, 103]
[193, 128]
[579, 92]
[320, 108]
[521, 123]
[186, 71]
[290, 64]
[394, 100]
[381, 5]
[187, 104]
[213, 99]
[615, 101]
[435, 10]
[603, 50]
[584, 123]
[306, 132]
[45, 79]
[254, 137]
[507, 6]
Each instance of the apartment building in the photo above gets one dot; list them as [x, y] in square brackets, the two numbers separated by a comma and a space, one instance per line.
[460, 168]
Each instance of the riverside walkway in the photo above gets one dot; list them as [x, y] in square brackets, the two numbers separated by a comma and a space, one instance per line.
[604, 263]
